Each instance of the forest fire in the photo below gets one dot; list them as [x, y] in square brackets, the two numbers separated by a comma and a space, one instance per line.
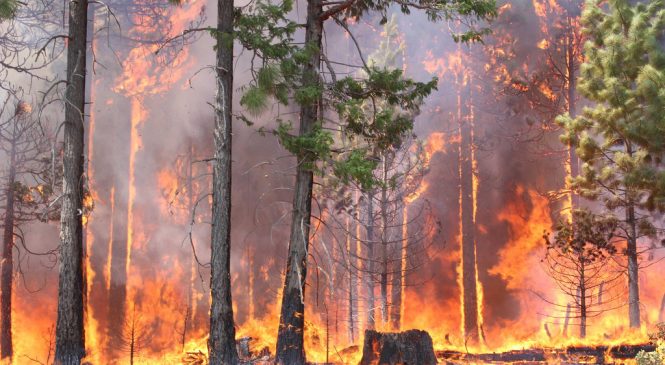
[506, 211]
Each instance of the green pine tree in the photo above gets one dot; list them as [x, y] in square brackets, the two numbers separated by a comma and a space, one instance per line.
[624, 60]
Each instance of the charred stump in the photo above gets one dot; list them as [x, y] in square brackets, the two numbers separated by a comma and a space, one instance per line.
[412, 347]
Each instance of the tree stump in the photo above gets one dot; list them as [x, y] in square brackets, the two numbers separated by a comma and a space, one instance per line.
[412, 347]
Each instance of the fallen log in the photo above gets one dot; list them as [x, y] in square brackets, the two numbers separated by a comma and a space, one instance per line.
[568, 355]
[412, 347]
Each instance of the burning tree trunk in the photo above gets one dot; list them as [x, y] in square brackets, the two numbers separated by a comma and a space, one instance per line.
[290, 346]
[467, 221]
[7, 260]
[221, 344]
[70, 336]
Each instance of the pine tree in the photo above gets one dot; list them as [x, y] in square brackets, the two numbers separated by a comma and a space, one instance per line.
[577, 257]
[623, 58]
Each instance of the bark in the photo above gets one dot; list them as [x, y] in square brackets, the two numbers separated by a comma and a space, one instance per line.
[221, 343]
[69, 333]
[8, 262]
[290, 347]
[469, 270]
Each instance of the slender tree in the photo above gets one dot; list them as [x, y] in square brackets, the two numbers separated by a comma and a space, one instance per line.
[70, 336]
[577, 258]
[221, 343]
[623, 53]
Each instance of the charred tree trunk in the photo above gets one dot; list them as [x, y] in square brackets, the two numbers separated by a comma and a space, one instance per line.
[290, 347]
[410, 347]
[661, 312]
[221, 344]
[8, 261]
[398, 271]
[70, 335]
[369, 274]
[469, 270]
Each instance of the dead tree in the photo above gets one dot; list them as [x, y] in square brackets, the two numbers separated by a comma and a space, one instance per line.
[578, 257]
[135, 336]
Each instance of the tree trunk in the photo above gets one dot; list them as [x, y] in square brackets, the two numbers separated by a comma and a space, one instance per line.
[350, 244]
[8, 262]
[117, 291]
[582, 300]
[369, 274]
[221, 344]
[633, 269]
[410, 347]
[571, 67]
[290, 349]
[398, 270]
[384, 240]
[69, 334]
[661, 312]
[469, 270]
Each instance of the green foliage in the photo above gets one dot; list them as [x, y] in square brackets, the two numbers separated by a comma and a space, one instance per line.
[619, 138]
[8, 9]
[264, 29]
[310, 147]
[470, 11]
[357, 166]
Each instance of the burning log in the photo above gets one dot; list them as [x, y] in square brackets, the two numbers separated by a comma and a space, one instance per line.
[569, 355]
[248, 355]
[410, 347]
